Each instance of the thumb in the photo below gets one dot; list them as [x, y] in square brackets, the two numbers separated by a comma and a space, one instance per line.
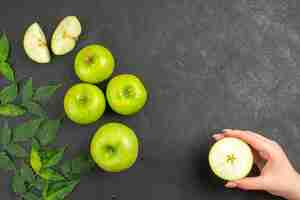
[248, 183]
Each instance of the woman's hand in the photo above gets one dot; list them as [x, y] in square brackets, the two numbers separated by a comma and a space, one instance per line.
[277, 175]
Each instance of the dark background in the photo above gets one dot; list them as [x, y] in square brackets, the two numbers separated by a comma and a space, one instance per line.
[207, 65]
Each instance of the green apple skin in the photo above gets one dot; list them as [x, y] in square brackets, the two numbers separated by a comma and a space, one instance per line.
[94, 63]
[84, 103]
[223, 168]
[126, 94]
[114, 147]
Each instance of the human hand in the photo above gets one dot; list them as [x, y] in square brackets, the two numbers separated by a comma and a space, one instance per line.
[277, 175]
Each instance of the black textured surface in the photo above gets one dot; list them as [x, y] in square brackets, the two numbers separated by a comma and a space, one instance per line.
[207, 65]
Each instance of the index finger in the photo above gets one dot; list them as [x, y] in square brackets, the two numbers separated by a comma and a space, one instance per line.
[261, 137]
[255, 142]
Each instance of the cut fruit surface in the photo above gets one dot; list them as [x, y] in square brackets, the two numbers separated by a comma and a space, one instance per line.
[65, 35]
[35, 44]
[231, 159]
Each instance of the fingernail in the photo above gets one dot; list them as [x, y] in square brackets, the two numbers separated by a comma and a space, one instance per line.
[231, 185]
[216, 135]
[227, 130]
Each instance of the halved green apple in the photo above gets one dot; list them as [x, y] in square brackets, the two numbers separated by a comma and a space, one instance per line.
[35, 44]
[66, 35]
[231, 159]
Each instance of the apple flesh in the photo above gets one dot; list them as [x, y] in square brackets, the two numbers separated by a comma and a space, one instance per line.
[35, 44]
[84, 103]
[94, 63]
[231, 158]
[66, 35]
[114, 147]
[126, 94]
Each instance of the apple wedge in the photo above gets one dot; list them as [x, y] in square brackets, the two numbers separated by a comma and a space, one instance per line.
[35, 44]
[65, 35]
[231, 159]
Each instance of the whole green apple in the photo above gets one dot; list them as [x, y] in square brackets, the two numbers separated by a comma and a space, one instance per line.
[231, 158]
[84, 103]
[114, 147]
[126, 94]
[94, 63]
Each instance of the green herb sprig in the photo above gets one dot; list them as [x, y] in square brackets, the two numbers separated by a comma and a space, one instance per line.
[40, 171]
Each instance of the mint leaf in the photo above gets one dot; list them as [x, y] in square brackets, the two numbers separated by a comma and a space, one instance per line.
[50, 174]
[38, 183]
[5, 162]
[35, 109]
[60, 190]
[43, 94]
[27, 130]
[4, 47]
[5, 134]
[82, 164]
[30, 196]
[45, 190]
[8, 93]
[77, 167]
[11, 110]
[18, 184]
[26, 173]
[7, 71]
[35, 144]
[66, 169]
[16, 150]
[35, 159]
[27, 91]
[48, 132]
[53, 157]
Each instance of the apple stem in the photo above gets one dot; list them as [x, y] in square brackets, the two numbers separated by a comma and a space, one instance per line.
[129, 91]
[82, 99]
[90, 60]
[110, 149]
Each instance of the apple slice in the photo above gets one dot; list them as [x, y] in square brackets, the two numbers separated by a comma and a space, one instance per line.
[35, 44]
[231, 159]
[65, 35]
